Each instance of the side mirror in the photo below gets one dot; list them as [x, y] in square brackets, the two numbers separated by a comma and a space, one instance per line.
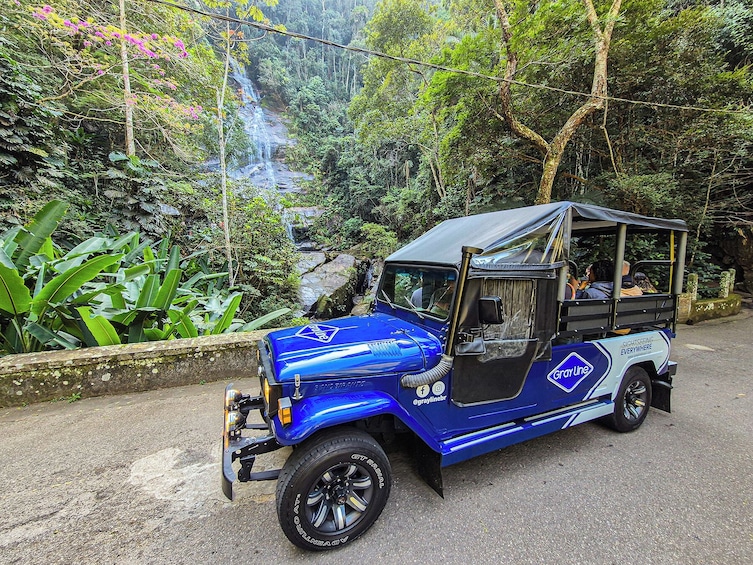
[490, 310]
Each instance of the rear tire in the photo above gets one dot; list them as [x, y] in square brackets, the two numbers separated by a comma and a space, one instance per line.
[332, 489]
[632, 401]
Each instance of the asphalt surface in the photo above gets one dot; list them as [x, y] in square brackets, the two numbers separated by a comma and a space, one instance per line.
[135, 479]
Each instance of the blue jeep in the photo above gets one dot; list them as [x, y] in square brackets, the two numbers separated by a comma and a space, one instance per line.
[477, 340]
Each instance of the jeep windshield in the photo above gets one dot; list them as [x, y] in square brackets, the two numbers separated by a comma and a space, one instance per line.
[427, 291]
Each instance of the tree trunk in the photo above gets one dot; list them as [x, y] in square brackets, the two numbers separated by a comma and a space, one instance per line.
[223, 165]
[130, 142]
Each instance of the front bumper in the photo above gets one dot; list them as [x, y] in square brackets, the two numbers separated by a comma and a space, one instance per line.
[237, 447]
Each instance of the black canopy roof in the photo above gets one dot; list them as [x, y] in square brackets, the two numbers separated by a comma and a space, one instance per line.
[491, 231]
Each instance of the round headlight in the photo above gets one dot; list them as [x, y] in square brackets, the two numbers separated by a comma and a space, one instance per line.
[231, 397]
[231, 420]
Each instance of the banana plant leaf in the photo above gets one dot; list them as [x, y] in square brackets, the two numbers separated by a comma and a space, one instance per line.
[136, 251]
[113, 291]
[174, 261]
[46, 336]
[202, 277]
[127, 317]
[156, 334]
[12, 338]
[47, 249]
[70, 320]
[168, 289]
[100, 329]
[136, 327]
[182, 324]
[148, 292]
[31, 239]
[227, 317]
[150, 259]
[41, 276]
[80, 253]
[15, 297]
[136, 271]
[6, 260]
[190, 306]
[65, 284]
[162, 249]
[125, 242]
[9, 240]
[260, 321]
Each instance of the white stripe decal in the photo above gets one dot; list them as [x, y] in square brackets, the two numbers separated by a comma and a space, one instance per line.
[606, 373]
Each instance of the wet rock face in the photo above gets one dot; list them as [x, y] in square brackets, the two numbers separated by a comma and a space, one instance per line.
[310, 261]
[302, 219]
[327, 290]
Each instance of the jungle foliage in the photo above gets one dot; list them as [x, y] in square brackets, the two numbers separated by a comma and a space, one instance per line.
[62, 138]
[107, 290]
[415, 144]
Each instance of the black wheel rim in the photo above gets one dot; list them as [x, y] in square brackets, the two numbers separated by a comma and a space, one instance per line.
[636, 399]
[340, 498]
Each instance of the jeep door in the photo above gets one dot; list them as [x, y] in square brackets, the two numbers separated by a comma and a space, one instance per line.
[492, 361]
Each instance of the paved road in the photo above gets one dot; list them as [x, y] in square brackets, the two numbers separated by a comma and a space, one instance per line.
[134, 479]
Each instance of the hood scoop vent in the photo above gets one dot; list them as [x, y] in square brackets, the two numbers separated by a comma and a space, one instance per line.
[384, 348]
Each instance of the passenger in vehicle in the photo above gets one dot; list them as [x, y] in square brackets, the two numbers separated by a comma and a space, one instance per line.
[441, 298]
[599, 284]
[629, 288]
[417, 297]
[644, 283]
[572, 281]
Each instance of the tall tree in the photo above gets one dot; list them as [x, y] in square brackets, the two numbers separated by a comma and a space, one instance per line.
[130, 141]
[553, 150]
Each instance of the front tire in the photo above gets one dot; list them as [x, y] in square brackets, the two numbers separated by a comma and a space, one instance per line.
[332, 489]
[632, 402]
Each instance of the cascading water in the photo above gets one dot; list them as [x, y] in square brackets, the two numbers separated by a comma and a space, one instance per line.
[259, 167]
[267, 132]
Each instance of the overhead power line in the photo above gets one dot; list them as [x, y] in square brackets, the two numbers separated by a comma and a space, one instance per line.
[434, 66]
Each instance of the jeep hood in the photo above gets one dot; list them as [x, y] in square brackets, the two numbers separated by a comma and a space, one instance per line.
[358, 346]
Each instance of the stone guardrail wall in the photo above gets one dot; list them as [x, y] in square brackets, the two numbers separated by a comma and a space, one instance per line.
[53, 375]
[691, 310]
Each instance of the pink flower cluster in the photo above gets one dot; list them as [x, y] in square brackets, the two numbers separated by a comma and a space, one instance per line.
[149, 45]
[192, 112]
[166, 83]
[43, 12]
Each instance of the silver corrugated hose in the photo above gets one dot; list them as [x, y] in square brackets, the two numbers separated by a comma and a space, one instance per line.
[429, 376]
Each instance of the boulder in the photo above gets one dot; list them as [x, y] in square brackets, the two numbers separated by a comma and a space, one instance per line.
[328, 290]
[310, 261]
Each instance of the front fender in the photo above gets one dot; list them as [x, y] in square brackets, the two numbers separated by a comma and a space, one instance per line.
[316, 413]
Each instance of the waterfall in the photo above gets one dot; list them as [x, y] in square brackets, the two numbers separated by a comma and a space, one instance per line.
[258, 167]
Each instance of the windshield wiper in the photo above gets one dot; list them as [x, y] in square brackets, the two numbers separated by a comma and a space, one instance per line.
[387, 298]
[414, 308]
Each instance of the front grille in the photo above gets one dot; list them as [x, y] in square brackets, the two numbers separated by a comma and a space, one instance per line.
[267, 374]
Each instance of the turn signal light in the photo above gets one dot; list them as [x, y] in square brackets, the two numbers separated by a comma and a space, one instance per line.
[267, 390]
[285, 411]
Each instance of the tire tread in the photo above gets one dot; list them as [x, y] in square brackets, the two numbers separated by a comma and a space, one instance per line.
[310, 453]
